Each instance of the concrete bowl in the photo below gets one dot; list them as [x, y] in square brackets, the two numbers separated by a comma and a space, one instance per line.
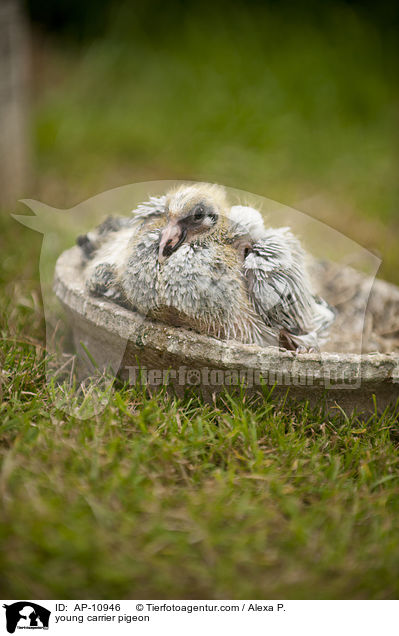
[357, 369]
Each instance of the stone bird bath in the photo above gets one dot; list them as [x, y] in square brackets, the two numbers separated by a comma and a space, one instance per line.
[359, 361]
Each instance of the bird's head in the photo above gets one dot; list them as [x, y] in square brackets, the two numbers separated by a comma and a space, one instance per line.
[191, 211]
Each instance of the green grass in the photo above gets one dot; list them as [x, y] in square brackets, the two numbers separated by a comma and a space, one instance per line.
[159, 497]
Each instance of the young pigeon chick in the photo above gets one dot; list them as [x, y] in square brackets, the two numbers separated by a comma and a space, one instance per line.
[190, 259]
[174, 263]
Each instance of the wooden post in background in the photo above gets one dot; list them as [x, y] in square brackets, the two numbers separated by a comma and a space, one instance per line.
[13, 103]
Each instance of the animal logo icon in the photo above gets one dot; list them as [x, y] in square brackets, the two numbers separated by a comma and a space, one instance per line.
[26, 615]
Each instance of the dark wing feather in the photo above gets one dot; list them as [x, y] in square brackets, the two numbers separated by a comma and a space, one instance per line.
[280, 290]
[91, 242]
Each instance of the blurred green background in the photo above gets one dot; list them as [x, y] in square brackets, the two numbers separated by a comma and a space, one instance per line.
[294, 101]
[163, 498]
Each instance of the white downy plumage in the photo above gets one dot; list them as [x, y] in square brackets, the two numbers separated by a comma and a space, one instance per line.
[259, 295]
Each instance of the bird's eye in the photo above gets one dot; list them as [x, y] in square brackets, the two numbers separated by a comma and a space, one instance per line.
[199, 213]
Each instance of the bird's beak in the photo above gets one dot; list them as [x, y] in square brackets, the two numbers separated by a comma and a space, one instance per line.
[171, 238]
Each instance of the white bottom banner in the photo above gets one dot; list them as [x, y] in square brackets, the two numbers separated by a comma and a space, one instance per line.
[194, 617]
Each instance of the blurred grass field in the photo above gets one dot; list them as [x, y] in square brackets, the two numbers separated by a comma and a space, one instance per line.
[162, 498]
[302, 111]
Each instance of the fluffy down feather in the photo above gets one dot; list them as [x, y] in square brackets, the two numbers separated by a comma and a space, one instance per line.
[263, 296]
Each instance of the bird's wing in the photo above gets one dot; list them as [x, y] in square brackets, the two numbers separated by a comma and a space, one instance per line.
[145, 212]
[280, 290]
[91, 242]
[106, 248]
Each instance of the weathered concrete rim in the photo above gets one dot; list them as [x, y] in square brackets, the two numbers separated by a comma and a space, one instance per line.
[370, 368]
